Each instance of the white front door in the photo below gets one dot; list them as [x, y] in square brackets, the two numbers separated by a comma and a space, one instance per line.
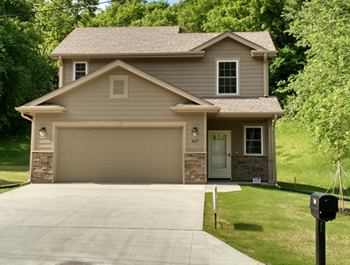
[219, 154]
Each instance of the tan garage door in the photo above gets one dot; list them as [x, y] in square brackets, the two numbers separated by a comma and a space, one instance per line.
[119, 155]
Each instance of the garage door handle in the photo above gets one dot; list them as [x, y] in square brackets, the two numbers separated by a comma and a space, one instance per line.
[229, 154]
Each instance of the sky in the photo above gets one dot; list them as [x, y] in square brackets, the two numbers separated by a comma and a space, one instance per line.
[103, 6]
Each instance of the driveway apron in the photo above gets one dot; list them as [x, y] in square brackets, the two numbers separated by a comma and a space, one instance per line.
[82, 224]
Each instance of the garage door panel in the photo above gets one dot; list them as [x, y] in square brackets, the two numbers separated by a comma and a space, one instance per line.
[158, 160]
[64, 147]
[143, 147]
[173, 146]
[173, 175]
[111, 160]
[173, 161]
[158, 147]
[96, 160]
[96, 133]
[81, 160]
[127, 133]
[143, 175]
[95, 147]
[127, 146]
[80, 133]
[119, 154]
[126, 174]
[174, 134]
[143, 160]
[65, 160]
[79, 147]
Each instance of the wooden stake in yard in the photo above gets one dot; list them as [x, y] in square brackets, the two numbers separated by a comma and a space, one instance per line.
[215, 201]
[295, 181]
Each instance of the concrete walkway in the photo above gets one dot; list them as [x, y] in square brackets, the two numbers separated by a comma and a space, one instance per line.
[77, 224]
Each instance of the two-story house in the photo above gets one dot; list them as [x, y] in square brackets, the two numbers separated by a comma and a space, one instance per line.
[151, 104]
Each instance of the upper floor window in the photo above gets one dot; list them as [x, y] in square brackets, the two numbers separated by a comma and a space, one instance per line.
[80, 69]
[253, 140]
[227, 77]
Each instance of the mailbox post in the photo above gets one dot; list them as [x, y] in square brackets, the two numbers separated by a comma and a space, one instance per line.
[324, 208]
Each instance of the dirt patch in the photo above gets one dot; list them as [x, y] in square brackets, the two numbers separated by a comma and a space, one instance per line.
[345, 212]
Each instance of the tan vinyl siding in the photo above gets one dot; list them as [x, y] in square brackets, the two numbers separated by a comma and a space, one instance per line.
[195, 75]
[237, 137]
[146, 102]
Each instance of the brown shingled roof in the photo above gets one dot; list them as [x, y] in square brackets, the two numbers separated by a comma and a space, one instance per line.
[141, 40]
[248, 105]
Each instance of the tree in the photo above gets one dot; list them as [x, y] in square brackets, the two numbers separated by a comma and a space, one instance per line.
[64, 16]
[24, 73]
[323, 87]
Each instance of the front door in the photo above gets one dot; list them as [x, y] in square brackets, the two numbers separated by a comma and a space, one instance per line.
[219, 154]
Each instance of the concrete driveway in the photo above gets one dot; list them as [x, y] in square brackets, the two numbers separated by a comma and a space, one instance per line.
[81, 224]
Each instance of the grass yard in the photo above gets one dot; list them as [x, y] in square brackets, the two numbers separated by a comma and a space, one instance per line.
[274, 226]
[14, 160]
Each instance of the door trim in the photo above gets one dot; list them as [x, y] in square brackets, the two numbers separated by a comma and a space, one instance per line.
[210, 133]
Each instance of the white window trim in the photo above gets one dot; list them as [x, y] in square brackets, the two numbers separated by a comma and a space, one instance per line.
[112, 78]
[262, 140]
[237, 60]
[86, 68]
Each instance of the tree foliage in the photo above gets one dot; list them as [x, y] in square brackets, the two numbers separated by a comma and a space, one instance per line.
[64, 17]
[24, 73]
[323, 87]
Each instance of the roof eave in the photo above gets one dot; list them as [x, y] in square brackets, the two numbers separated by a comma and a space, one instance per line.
[260, 53]
[55, 56]
[40, 109]
[250, 114]
[199, 109]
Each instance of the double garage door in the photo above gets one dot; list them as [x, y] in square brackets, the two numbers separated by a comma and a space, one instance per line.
[119, 155]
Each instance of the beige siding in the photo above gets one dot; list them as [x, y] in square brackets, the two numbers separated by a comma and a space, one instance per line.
[146, 102]
[237, 136]
[195, 75]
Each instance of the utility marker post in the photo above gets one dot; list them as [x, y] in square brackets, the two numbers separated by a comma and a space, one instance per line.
[215, 201]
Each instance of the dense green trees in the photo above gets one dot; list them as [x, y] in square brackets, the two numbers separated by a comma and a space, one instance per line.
[323, 87]
[24, 72]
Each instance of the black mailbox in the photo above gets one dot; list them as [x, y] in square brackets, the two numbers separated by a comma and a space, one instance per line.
[324, 206]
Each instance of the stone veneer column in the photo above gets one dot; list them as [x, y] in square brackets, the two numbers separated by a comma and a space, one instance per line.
[195, 168]
[41, 170]
[244, 168]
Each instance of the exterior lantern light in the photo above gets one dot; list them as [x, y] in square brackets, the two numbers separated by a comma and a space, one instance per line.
[194, 131]
[42, 131]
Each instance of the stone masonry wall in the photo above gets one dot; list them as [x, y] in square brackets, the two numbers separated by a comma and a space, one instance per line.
[41, 170]
[195, 168]
[244, 168]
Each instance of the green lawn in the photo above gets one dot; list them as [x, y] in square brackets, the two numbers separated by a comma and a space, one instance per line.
[14, 160]
[274, 226]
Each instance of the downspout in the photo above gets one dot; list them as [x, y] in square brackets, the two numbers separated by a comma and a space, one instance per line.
[266, 75]
[274, 150]
[60, 77]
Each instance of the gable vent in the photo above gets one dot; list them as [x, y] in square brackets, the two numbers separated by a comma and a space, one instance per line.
[118, 86]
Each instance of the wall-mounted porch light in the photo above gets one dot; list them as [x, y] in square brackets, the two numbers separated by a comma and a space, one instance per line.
[194, 131]
[42, 131]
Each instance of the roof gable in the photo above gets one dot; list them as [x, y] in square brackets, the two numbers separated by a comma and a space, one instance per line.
[111, 66]
[151, 41]
[231, 35]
